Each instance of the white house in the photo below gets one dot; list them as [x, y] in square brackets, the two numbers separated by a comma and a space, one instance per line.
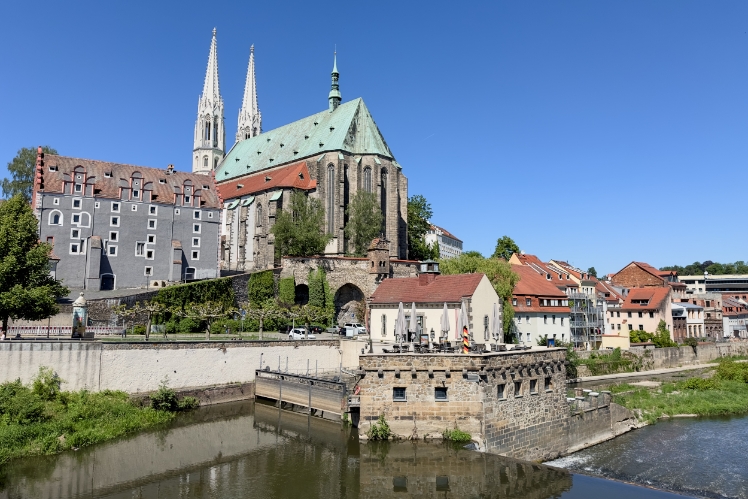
[430, 291]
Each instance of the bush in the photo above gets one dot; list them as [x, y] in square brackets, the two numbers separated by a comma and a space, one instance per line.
[261, 287]
[19, 404]
[379, 430]
[732, 371]
[165, 399]
[177, 296]
[219, 326]
[138, 329]
[187, 325]
[698, 384]
[456, 435]
[287, 291]
[690, 342]
[46, 384]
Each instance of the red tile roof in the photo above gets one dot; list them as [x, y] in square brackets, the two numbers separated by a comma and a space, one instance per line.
[533, 284]
[295, 176]
[117, 175]
[606, 288]
[655, 295]
[655, 272]
[543, 269]
[443, 288]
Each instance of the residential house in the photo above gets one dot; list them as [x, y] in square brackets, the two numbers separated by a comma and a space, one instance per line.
[643, 309]
[734, 318]
[449, 245]
[540, 308]
[554, 275]
[588, 305]
[712, 306]
[694, 315]
[116, 226]
[680, 329]
[430, 291]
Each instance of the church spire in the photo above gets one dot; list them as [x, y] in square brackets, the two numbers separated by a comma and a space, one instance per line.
[250, 117]
[210, 135]
[334, 96]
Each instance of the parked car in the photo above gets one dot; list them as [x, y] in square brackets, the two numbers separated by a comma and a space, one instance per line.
[316, 329]
[360, 329]
[299, 333]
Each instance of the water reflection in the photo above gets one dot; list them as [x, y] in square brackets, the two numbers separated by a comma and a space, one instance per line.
[244, 450]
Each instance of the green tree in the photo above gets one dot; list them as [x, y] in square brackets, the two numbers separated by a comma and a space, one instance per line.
[364, 221]
[27, 290]
[505, 248]
[207, 311]
[499, 273]
[662, 336]
[419, 214]
[591, 271]
[263, 312]
[299, 230]
[21, 170]
[321, 296]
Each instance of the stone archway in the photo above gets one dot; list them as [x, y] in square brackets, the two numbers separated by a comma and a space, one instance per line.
[349, 299]
[302, 294]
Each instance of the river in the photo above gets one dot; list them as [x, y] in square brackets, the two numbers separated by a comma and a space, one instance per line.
[242, 450]
[698, 456]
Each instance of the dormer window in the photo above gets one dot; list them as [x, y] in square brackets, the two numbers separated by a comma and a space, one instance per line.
[162, 181]
[108, 174]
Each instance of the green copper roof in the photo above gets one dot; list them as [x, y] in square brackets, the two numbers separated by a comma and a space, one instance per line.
[350, 128]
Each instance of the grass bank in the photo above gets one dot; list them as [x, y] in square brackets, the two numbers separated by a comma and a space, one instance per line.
[724, 393]
[42, 419]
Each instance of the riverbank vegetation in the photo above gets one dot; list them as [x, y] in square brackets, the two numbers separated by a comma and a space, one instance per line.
[724, 393]
[42, 419]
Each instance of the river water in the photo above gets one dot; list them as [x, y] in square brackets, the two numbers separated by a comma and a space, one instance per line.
[248, 450]
[698, 456]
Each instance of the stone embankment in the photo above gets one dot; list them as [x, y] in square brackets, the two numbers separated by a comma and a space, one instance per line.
[665, 358]
[224, 366]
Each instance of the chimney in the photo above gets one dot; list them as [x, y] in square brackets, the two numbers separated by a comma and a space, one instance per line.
[426, 279]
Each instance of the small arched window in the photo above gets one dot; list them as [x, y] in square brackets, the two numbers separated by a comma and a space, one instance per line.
[55, 218]
[205, 161]
[215, 163]
[259, 215]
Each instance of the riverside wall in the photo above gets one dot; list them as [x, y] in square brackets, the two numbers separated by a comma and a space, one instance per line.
[511, 403]
[662, 358]
[141, 367]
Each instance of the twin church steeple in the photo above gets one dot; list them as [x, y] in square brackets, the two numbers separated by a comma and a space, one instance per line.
[210, 133]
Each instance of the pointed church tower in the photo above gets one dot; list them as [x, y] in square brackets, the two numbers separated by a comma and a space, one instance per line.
[334, 96]
[250, 117]
[210, 133]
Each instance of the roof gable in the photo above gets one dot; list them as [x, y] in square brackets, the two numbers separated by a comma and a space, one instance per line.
[349, 128]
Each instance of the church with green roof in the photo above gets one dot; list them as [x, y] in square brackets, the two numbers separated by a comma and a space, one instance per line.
[330, 155]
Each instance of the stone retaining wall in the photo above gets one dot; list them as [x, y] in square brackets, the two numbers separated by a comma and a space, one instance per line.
[141, 367]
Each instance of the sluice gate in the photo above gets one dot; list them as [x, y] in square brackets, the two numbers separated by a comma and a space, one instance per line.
[327, 398]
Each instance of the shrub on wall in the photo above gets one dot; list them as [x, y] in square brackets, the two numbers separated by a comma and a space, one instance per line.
[261, 287]
[320, 294]
[179, 295]
[287, 291]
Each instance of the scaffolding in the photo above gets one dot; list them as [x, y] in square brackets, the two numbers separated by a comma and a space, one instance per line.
[587, 320]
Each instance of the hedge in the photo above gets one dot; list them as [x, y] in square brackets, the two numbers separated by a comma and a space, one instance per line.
[261, 287]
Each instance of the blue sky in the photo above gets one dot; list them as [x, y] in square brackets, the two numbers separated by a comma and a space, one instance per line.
[595, 132]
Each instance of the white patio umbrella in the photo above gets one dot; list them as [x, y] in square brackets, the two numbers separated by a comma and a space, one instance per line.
[445, 322]
[413, 326]
[496, 324]
[400, 324]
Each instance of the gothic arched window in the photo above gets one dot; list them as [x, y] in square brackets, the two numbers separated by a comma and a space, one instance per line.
[367, 179]
[205, 161]
[207, 130]
[331, 199]
[215, 163]
[383, 199]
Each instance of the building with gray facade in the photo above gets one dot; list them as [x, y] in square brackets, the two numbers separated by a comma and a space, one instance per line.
[115, 226]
